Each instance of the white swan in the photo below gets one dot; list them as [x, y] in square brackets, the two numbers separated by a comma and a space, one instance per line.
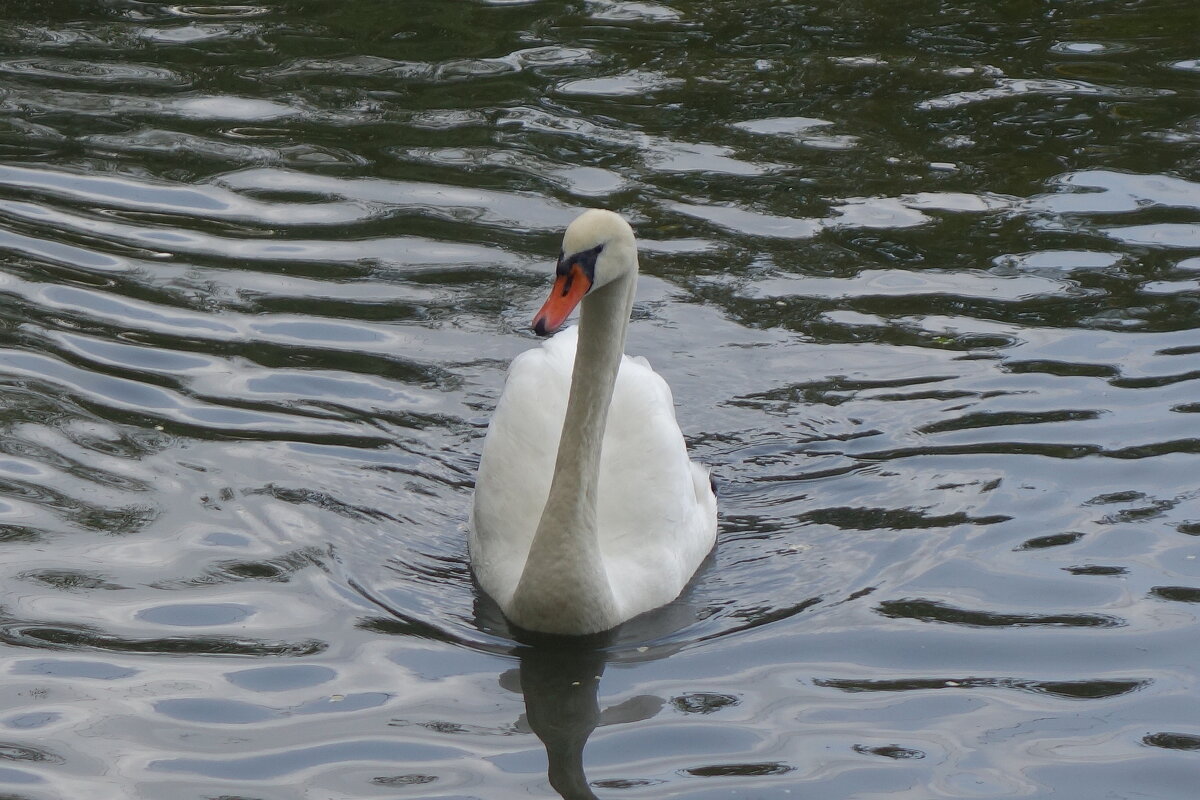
[587, 510]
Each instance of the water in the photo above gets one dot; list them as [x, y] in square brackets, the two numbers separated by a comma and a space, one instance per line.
[925, 282]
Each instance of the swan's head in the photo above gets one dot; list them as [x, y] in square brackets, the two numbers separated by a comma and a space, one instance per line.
[598, 248]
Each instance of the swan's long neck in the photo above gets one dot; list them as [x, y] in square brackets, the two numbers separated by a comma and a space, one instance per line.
[564, 587]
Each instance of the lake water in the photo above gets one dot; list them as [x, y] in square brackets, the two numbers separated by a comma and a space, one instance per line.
[924, 278]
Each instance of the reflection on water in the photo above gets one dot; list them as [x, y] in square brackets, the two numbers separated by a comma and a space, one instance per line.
[559, 685]
[925, 284]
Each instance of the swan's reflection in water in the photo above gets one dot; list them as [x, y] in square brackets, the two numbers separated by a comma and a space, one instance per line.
[560, 682]
[560, 678]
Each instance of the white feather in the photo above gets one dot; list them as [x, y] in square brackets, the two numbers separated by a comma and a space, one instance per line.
[655, 513]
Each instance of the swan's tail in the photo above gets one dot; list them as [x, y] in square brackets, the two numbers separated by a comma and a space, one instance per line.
[705, 488]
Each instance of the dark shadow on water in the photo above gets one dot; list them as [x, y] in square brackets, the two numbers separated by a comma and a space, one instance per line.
[560, 681]
[559, 677]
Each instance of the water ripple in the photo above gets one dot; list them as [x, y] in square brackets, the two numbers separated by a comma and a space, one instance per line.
[295, 760]
[72, 70]
[1009, 88]
[922, 283]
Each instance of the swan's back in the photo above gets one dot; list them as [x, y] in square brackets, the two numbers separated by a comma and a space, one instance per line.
[656, 514]
[656, 524]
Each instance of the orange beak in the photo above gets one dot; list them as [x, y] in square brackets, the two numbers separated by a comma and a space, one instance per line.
[568, 290]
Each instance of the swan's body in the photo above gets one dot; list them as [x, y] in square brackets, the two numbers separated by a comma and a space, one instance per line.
[587, 510]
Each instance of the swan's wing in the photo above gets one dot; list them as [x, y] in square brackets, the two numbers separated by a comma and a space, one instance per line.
[657, 513]
[518, 461]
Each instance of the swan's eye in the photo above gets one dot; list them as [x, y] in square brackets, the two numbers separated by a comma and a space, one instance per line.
[584, 259]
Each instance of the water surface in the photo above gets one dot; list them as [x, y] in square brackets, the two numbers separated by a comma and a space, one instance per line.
[925, 282]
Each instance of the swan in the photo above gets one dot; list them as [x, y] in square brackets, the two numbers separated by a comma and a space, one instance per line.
[587, 510]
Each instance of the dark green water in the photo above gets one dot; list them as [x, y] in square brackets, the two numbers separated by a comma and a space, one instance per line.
[924, 278]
